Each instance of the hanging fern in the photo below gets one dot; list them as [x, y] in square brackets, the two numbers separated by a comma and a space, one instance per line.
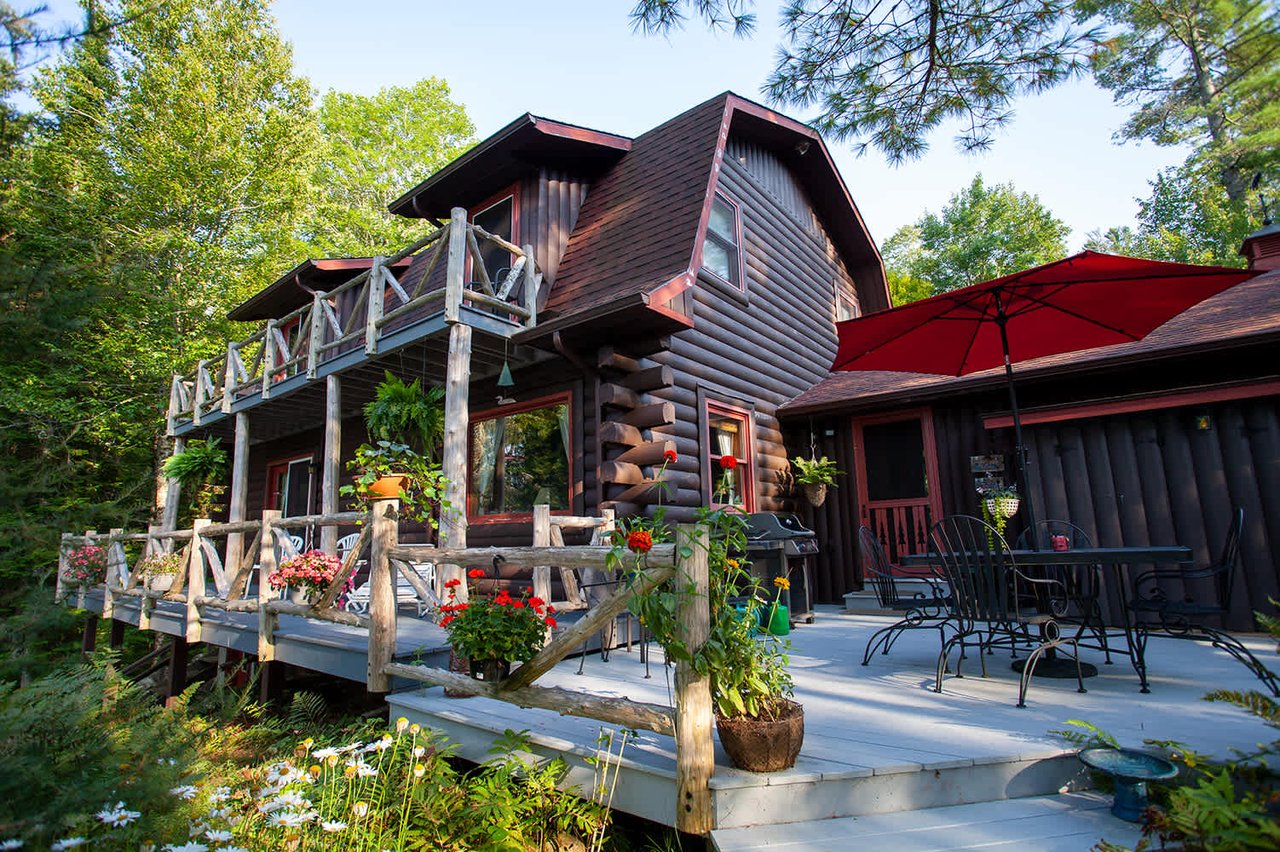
[406, 414]
[200, 463]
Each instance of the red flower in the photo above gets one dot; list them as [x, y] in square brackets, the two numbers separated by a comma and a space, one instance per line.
[475, 573]
[550, 609]
[518, 604]
[670, 456]
[452, 584]
[728, 462]
[536, 602]
[444, 622]
[641, 541]
[549, 621]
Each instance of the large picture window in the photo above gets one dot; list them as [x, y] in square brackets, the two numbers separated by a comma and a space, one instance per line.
[722, 250]
[729, 435]
[517, 455]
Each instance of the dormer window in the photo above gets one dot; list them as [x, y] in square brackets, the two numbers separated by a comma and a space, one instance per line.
[722, 249]
[498, 217]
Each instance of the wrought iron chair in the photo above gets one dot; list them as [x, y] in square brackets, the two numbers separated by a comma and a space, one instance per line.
[1183, 618]
[921, 610]
[986, 587]
[1083, 582]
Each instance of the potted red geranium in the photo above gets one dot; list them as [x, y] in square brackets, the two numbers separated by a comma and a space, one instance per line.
[493, 631]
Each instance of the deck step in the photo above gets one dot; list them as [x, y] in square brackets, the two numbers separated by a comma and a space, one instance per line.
[1068, 822]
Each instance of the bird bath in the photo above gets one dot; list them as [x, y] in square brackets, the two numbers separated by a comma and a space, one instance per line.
[1131, 771]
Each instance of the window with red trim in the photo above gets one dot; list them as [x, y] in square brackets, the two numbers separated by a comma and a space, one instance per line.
[290, 486]
[517, 454]
[729, 438]
[722, 248]
[500, 217]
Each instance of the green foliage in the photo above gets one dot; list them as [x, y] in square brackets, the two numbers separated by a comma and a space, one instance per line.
[406, 414]
[496, 627]
[749, 676]
[886, 74]
[198, 468]
[1188, 218]
[81, 738]
[421, 496]
[373, 148]
[901, 253]
[816, 471]
[982, 233]
[1196, 73]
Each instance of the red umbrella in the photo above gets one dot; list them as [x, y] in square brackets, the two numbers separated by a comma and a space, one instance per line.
[1081, 302]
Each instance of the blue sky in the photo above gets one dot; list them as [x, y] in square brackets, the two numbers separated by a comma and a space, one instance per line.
[580, 62]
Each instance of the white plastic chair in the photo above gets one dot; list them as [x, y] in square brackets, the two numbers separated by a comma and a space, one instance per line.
[358, 598]
[346, 543]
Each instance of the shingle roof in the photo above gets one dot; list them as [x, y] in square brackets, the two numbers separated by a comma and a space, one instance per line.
[637, 228]
[1248, 311]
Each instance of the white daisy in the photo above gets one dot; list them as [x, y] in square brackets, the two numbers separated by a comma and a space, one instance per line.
[333, 827]
[186, 847]
[401, 724]
[67, 843]
[360, 808]
[287, 819]
[364, 770]
[221, 794]
[325, 753]
[186, 791]
[218, 835]
[12, 843]
[291, 800]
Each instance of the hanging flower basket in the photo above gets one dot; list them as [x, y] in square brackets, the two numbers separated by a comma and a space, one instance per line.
[815, 493]
[764, 745]
[1004, 507]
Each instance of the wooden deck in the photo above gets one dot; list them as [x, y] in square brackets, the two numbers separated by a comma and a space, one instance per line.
[878, 739]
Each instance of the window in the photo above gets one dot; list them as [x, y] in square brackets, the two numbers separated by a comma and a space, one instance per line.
[517, 455]
[846, 307]
[498, 217]
[721, 251]
[729, 434]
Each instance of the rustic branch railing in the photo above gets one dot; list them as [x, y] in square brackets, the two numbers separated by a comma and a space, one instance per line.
[359, 314]
[690, 721]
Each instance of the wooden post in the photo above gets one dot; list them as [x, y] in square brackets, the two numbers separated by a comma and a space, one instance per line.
[384, 516]
[239, 494]
[89, 641]
[373, 314]
[317, 334]
[177, 679]
[331, 464]
[172, 494]
[113, 573]
[530, 288]
[453, 520]
[175, 404]
[195, 582]
[266, 565]
[542, 538]
[456, 265]
[268, 357]
[229, 379]
[695, 751]
[60, 588]
[202, 368]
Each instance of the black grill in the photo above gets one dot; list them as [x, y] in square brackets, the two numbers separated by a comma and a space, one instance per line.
[778, 545]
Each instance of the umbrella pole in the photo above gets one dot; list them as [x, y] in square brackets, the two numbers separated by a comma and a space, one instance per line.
[1025, 481]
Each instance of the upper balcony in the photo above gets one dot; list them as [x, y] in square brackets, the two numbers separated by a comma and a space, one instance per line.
[370, 316]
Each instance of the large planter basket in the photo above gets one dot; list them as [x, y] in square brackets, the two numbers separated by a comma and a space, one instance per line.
[815, 493]
[761, 745]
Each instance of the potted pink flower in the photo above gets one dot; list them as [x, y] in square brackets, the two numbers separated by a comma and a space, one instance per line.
[306, 575]
[86, 566]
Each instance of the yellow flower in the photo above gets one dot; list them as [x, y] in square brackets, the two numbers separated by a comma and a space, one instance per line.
[732, 563]
[782, 582]
[314, 770]
[419, 771]
[360, 808]
[331, 760]
[401, 724]
[349, 773]
[415, 728]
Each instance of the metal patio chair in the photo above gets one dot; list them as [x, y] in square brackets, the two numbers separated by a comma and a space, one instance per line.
[1183, 618]
[1083, 582]
[986, 589]
[921, 610]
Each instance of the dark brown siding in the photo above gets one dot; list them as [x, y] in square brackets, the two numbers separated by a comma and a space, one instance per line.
[759, 348]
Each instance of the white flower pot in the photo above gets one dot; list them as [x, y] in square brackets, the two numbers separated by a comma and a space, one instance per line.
[160, 583]
[1003, 507]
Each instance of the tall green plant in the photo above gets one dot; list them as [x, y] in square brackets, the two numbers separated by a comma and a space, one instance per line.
[197, 468]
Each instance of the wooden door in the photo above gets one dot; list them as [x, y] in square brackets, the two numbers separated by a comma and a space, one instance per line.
[897, 477]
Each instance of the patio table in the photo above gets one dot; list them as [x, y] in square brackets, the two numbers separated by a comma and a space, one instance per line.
[1114, 558]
